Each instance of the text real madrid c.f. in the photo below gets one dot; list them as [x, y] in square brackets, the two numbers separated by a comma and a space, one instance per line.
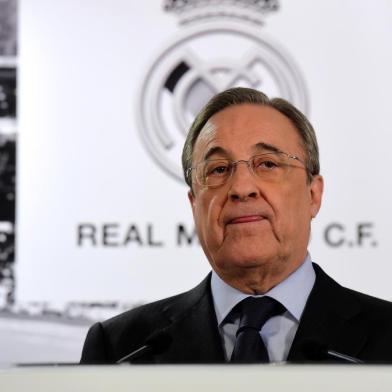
[114, 234]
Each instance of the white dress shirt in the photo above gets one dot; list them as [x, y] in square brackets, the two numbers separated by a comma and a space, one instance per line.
[279, 331]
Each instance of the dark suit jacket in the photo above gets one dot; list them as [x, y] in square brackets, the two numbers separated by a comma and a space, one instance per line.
[344, 320]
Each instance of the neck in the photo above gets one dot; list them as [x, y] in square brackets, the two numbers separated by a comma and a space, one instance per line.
[259, 279]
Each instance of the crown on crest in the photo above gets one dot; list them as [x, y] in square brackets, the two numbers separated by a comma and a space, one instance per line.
[189, 11]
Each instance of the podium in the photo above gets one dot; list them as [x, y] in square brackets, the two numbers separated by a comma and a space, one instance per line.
[200, 378]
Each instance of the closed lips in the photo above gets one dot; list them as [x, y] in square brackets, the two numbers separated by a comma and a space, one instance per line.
[246, 219]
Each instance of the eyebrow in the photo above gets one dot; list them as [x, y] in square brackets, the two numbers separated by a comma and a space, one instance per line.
[261, 146]
[215, 150]
[267, 146]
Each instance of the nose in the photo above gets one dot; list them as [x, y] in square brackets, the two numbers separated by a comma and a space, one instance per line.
[243, 184]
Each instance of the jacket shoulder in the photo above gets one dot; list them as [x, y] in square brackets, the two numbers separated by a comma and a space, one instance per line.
[165, 310]
[124, 333]
[346, 298]
[377, 309]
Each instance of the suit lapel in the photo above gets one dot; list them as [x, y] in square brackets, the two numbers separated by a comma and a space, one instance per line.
[194, 328]
[331, 317]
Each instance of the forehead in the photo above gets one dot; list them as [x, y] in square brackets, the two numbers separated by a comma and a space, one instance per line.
[239, 128]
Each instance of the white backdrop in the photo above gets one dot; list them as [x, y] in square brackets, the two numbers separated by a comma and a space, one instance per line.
[92, 155]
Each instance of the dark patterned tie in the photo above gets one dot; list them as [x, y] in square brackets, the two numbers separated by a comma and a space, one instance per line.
[249, 347]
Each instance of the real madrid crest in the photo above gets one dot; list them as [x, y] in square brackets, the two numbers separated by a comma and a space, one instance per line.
[220, 45]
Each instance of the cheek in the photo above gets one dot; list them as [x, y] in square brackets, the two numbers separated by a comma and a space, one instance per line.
[293, 210]
[300, 222]
[207, 214]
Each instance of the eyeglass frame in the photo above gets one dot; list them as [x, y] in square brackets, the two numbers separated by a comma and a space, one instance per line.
[247, 162]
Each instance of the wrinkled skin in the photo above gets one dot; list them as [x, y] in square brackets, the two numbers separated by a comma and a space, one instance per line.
[254, 233]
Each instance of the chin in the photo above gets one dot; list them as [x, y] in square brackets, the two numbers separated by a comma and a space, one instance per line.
[248, 258]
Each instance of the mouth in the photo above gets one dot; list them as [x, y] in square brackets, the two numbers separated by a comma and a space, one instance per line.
[246, 219]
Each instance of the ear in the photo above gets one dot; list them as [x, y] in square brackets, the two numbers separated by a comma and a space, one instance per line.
[191, 198]
[316, 194]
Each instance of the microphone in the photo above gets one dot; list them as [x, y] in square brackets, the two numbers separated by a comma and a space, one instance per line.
[317, 351]
[156, 343]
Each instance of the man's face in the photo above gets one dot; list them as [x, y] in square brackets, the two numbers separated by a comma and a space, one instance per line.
[254, 232]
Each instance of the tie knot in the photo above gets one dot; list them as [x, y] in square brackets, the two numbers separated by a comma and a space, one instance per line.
[255, 311]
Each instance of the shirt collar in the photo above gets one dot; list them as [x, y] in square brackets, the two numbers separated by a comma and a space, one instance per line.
[300, 282]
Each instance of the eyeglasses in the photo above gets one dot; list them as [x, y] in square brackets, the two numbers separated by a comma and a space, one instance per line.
[271, 167]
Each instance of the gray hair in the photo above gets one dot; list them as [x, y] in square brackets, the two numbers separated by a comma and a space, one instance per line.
[242, 95]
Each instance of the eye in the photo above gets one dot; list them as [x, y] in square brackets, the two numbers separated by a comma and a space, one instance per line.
[266, 163]
[217, 169]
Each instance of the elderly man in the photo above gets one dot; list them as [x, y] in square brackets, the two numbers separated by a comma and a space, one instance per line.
[252, 166]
